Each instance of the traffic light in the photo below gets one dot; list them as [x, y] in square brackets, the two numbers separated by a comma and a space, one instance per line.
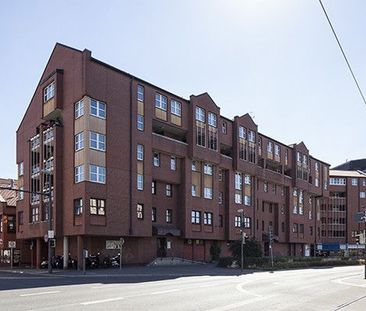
[357, 239]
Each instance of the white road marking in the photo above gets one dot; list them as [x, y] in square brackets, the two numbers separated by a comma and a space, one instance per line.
[86, 303]
[40, 293]
[165, 291]
[341, 281]
[240, 288]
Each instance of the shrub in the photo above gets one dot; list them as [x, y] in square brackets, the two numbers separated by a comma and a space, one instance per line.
[251, 249]
[215, 251]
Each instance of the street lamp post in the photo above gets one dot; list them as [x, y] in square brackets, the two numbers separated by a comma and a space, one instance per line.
[241, 211]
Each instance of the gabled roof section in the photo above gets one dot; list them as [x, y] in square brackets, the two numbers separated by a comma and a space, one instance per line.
[248, 120]
[206, 96]
[57, 46]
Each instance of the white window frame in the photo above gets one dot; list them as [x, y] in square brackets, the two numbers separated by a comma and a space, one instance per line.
[140, 182]
[21, 168]
[176, 108]
[238, 198]
[161, 101]
[169, 190]
[270, 147]
[100, 107]
[79, 174]
[277, 150]
[242, 132]
[207, 193]
[140, 122]
[354, 182]
[140, 93]
[212, 119]
[195, 217]
[247, 200]
[97, 141]
[140, 152]
[173, 163]
[207, 169]
[207, 218]
[238, 181]
[251, 136]
[194, 191]
[362, 194]
[97, 174]
[200, 114]
[79, 109]
[21, 193]
[79, 141]
[49, 92]
[156, 159]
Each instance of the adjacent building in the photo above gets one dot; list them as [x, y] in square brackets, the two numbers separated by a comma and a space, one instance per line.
[122, 157]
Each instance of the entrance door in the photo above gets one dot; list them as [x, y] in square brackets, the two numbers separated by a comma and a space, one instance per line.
[161, 249]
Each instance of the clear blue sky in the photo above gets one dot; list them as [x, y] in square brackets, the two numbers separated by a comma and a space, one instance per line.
[277, 60]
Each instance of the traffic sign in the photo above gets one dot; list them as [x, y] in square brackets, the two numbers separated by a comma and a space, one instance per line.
[12, 244]
[51, 234]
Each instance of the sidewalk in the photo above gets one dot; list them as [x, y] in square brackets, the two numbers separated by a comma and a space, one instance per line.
[132, 271]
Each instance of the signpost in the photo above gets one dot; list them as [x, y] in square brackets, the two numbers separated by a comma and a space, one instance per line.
[12, 245]
[270, 237]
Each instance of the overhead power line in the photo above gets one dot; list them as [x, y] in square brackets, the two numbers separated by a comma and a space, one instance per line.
[344, 55]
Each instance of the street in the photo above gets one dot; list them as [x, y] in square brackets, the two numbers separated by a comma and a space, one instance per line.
[185, 288]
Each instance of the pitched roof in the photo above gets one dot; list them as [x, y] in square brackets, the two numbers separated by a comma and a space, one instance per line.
[7, 195]
[342, 173]
[353, 165]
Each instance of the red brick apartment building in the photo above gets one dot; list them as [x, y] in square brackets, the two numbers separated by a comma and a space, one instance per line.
[8, 199]
[340, 232]
[125, 158]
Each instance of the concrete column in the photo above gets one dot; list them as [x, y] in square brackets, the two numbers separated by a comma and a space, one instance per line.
[38, 253]
[66, 252]
[80, 246]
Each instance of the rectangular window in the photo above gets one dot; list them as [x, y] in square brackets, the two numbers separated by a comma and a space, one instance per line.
[265, 186]
[79, 173]
[21, 193]
[247, 222]
[140, 182]
[97, 174]
[237, 221]
[20, 218]
[207, 169]
[242, 132]
[221, 221]
[247, 200]
[160, 101]
[156, 159]
[153, 214]
[140, 152]
[301, 227]
[168, 190]
[140, 122]
[169, 216]
[97, 141]
[196, 217]
[173, 163]
[354, 182]
[79, 141]
[270, 147]
[79, 109]
[207, 193]
[49, 92]
[194, 191]
[207, 218]
[97, 207]
[140, 93]
[238, 182]
[21, 169]
[224, 127]
[200, 114]
[212, 119]
[295, 228]
[277, 150]
[362, 194]
[78, 207]
[176, 108]
[251, 136]
[97, 109]
[153, 187]
[140, 211]
[237, 198]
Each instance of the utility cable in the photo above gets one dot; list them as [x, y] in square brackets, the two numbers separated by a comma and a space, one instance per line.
[344, 55]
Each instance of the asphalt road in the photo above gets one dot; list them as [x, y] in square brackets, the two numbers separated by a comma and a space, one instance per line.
[188, 288]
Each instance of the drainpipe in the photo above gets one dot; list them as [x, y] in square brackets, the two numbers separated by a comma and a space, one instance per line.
[130, 190]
